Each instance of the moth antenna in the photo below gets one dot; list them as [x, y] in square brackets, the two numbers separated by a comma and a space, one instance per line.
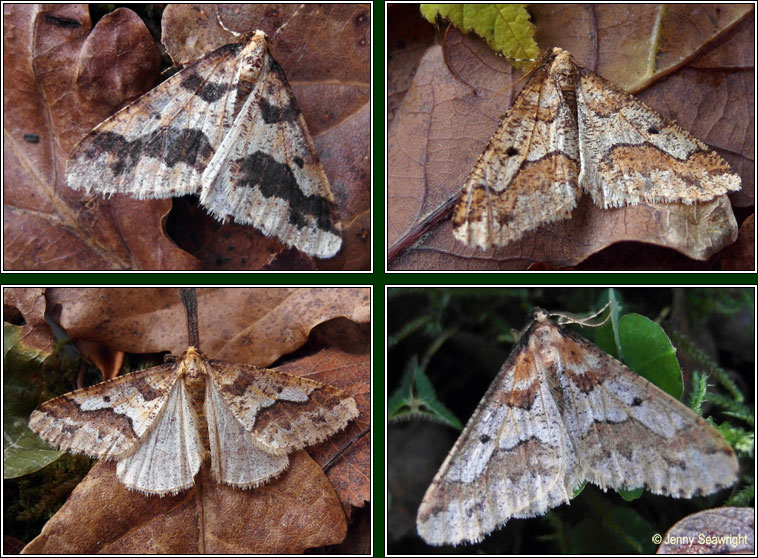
[568, 318]
[287, 22]
[224, 27]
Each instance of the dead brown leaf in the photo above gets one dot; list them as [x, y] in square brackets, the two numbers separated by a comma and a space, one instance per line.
[346, 456]
[740, 256]
[28, 304]
[50, 226]
[445, 122]
[408, 38]
[51, 94]
[250, 325]
[298, 510]
[726, 530]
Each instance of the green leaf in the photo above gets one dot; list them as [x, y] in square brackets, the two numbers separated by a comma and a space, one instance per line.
[505, 27]
[648, 351]
[630, 495]
[645, 348]
[618, 530]
[416, 398]
[23, 451]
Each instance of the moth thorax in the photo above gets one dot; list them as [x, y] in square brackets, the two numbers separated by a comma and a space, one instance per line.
[253, 60]
[564, 73]
[542, 343]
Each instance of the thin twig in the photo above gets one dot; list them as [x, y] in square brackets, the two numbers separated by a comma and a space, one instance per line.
[343, 450]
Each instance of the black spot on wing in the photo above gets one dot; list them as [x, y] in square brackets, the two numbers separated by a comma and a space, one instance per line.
[208, 91]
[123, 153]
[232, 48]
[272, 114]
[178, 145]
[167, 144]
[275, 179]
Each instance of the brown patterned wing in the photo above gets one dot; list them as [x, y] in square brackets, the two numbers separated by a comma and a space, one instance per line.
[107, 419]
[281, 412]
[527, 175]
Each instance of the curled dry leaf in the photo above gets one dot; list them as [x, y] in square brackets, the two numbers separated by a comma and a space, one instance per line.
[248, 325]
[740, 256]
[29, 303]
[296, 511]
[718, 531]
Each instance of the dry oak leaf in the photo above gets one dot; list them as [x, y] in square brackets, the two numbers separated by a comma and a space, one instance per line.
[51, 99]
[446, 120]
[296, 511]
[243, 324]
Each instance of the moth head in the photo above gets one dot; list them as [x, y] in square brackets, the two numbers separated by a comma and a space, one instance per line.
[563, 65]
[540, 315]
[192, 362]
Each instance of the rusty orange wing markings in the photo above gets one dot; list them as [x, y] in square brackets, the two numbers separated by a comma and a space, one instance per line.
[570, 132]
[561, 412]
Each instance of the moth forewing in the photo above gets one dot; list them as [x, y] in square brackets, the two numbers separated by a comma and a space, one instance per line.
[139, 398]
[162, 423]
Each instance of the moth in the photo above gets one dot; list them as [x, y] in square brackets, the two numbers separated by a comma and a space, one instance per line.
[561, 412]
[159, 423]
[569, 133]
[227, 128]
